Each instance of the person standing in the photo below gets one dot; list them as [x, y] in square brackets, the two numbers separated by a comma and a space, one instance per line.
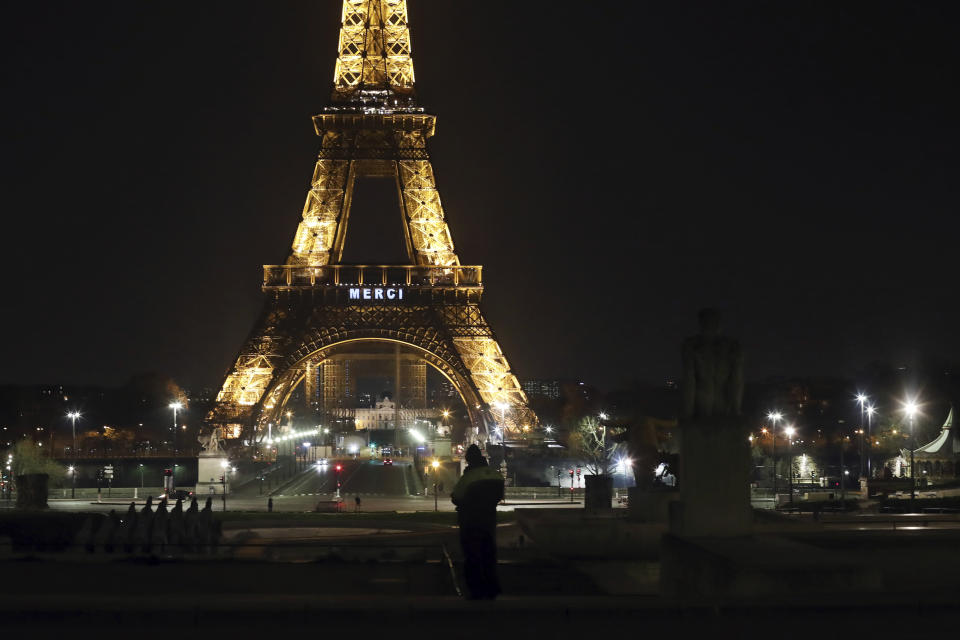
[476, 496]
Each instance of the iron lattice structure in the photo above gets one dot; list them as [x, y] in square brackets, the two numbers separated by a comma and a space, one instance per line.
[373, 127]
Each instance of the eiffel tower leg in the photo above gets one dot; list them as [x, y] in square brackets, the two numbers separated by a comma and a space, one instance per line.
[319, 237]
[235, 408]
[490, 374]
[428, 236]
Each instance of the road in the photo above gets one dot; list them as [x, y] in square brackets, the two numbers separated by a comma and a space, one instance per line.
[380, 488]
[357, 477]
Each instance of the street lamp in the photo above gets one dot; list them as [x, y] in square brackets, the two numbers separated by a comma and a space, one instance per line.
[223, 482]
[870, 411]
[862, 401]
[436, 465]
[626, 465]
[774, 417]
[73, 415]
[503, 410]
[910, 408]
[176, 406]
[790, 430]
[73, 480]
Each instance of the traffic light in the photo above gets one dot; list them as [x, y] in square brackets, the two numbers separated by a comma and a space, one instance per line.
[578, 472]
[167, 472]
[339, 468]
[571, 473]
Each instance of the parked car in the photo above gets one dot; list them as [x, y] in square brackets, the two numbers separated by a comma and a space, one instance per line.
[178, 494]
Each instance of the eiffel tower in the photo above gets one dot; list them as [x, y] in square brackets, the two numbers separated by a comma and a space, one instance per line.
[315, 303]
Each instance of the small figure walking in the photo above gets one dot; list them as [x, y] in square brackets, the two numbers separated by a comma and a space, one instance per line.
[476, 495]
[270, 505]
[356, 499]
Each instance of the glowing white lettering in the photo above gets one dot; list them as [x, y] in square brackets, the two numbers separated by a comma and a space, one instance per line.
[375, 293]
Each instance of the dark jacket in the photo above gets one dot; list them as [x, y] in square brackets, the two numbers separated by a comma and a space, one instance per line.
[476, 495]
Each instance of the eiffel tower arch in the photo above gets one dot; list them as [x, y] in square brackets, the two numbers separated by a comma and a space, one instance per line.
[316, 304]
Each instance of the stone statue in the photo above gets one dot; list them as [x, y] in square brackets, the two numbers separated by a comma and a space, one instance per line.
[211, 441]
[712, 385]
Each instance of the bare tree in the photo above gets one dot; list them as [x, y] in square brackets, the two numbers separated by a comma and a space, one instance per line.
[591, 444]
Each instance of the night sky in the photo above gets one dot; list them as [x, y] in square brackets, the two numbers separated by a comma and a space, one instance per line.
[614, 167]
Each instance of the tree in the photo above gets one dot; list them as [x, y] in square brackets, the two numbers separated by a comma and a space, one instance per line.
[590, 443]
[27, 458]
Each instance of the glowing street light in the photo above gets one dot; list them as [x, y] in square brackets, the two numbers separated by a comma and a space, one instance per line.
[625, 464]
[862, 401]
[790, 430]
[870, 411]
[436, 465]
[176, 406]
[774, 417]
[73, 415]
[910, 408]
[503, 410]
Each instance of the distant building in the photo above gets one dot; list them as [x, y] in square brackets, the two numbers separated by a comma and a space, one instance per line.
[443, 394]
[385, 415]
[542, 388]
[202, 395]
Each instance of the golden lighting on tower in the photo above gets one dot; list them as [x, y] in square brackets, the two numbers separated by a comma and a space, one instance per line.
[374, 47]
[372, 128]
[497, 385]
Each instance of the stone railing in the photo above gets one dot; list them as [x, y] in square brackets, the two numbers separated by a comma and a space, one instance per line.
[342, 275]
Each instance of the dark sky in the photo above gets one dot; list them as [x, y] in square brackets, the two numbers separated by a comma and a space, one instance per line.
[614, 166]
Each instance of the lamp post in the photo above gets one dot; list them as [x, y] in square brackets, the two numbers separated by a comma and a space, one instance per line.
[870, 411]
[73, 480]
[141, 475]
[774, 417]
[843, 484]
[790, 431]
[503, 414]
[176, 406]
[293, 447]
[626, 467]
[910, 408]
[223, 483]
[73, 415]
[436, 465]
[862, 401]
